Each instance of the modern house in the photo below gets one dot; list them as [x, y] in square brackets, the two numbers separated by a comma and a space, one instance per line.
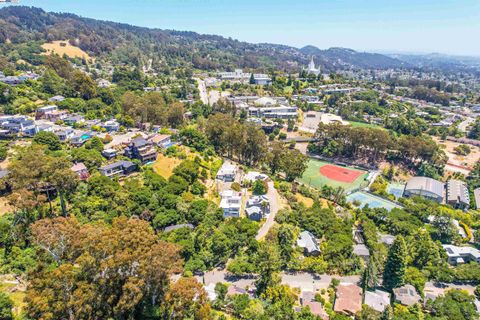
[254, 176]
[109, 153]
[348, 299]
[65, 133]
[309, 243]
[141, 149]
[162, 140]
[377, 300]
[81, 170]
[231, 203]
[73, 119]
[80, 138]
[227, 172]
[459, 255]
[18, 125]
[118, 169]
[425, 187]
[111, 126]
[257, 207]
[41, 112]
[406, 295]
[457, 194]
[56, 115]
[476, 195]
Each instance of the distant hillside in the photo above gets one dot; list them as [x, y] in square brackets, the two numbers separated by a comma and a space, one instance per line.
[444, 62]
[342, 57]
[124, 43]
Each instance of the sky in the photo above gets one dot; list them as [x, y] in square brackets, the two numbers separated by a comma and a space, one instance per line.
[413, 26]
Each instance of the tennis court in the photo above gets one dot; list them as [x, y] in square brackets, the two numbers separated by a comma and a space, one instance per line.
[396, 189]
[320, 173]
[365, 198]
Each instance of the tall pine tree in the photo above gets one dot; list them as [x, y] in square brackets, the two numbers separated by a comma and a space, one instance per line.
[394, 272]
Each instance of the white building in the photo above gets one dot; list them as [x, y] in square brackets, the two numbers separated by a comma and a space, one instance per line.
[312, 69]
[231, 203]
[457, 194]
[459, 255]
[425, 187]
[227, 172]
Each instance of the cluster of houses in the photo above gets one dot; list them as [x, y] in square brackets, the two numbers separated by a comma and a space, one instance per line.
[256, 207]
[16, 80]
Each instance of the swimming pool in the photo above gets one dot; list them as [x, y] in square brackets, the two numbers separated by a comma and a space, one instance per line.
[365, 198]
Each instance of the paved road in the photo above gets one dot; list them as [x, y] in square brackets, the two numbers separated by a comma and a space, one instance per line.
[203, 91]
[273, 197]
[303, 280]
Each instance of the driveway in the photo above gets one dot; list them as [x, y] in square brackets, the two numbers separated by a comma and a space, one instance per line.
[273, 197]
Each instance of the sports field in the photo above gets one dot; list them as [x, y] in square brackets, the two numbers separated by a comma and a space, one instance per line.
[320, 173]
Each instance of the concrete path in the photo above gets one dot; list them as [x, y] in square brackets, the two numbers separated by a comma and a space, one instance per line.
[273, 197]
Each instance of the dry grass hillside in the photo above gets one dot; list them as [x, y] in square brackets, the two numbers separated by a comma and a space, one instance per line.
[64, 47]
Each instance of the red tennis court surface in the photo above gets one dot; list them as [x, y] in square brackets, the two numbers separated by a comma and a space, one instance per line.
[339, 174]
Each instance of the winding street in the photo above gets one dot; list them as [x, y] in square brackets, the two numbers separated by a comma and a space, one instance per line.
[273, 197]
[202, 91]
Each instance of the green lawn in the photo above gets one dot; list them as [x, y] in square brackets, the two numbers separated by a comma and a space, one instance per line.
[312, 177]
[364, 124]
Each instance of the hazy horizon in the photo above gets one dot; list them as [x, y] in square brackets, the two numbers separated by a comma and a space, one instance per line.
[411, 27]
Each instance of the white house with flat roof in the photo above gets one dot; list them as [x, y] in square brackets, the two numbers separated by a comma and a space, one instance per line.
[231, 203]
[459, 255]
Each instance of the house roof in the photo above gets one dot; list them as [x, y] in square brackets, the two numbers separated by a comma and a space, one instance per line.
[139, 142]
[456, 251]
[123, 163]
[457, 191]
[406, 295]
[78, 167]
[377, 300]
[348, 299]
[308, 241]
[317, 309]
[361, 250]
[159, 138]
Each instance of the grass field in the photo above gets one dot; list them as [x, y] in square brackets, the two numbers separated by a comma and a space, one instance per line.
[314, 178]
[64, 47]
[363, 124]
[164, 165]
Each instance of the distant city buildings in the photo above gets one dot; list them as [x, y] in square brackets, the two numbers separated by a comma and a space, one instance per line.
[240, 76]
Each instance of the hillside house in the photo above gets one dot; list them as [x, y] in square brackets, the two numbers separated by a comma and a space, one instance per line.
[309, 243]
[118, 169]
[460, 255]
[231, 203]
[141, 149]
